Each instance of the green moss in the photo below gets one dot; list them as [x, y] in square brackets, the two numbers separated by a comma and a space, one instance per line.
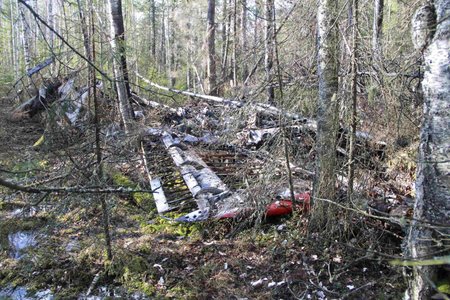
[444, 286]
[132, 271]
[162, 225]
[142, 199]
[180, 292]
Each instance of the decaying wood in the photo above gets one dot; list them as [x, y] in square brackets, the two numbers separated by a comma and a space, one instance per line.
[260, 107]
[262, 110]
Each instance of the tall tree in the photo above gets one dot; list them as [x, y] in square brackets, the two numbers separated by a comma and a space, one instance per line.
[211, 40]
[377, 29]
[50, 21]
[353, 97]
[269, 49]
[153, 22]
[120, 63]
[14, 59]
[226, 21]
[432, 202]
[325, 180]
[244, 39]
[25, 37]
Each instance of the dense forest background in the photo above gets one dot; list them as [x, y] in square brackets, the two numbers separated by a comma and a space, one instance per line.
[338, 109]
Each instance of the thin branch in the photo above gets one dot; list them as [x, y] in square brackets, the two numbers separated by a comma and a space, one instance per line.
[75, 189]
[38, 17]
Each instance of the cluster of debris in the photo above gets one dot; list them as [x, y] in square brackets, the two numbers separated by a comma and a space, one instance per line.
[189, 164]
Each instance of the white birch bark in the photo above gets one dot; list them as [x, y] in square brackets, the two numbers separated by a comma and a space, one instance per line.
[117, 45]
[324, 184]
[244, 40]
[25, 36]
[269, 49]
[433, 170]
[377, 29]
[13, 41]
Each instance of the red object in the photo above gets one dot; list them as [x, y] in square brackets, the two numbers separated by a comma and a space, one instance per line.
[278, 208]
[284, 206]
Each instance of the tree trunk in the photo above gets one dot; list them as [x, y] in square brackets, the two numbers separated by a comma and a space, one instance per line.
[235, 44]
[50, 22]
[170, 45]
[244, 40]
[377, 30]
[13, 41]
[225, 40]
[153, 21]
[162, 52]
[84, 31]
[353, 105]
[119, 63]
[25, 37]
[269, 51]
[324, 183]
[433, 185]
[211, 39]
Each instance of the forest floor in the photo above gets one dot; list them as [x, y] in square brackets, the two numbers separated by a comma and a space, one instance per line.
[157, 259]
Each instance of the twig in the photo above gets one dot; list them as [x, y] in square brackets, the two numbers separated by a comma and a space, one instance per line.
[75, 189]
[369, 284]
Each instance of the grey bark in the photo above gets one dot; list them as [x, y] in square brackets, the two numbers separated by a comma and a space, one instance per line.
[84, 30]
[244, 40]
[50, 21]
[162, 52]
[269, 49]
[119, 63]
[14, 60]
[225, 39]
[324, 183]
[211, 39]
[235, 43]
[433, 169]
[353, 117]
[153, 21]
[377, 29]
[423, 26]
[26, 37]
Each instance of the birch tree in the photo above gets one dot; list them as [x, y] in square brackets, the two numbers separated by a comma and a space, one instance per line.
[244, 39]
[377, 29]
[269, 49]
[120, 64]
[25, 36]
[324, 184]
[432, 203]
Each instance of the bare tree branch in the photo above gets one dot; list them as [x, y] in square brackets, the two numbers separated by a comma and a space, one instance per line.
[75, 189]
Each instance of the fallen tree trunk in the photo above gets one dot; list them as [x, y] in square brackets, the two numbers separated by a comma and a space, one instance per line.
[260, 107]
[364, 141]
